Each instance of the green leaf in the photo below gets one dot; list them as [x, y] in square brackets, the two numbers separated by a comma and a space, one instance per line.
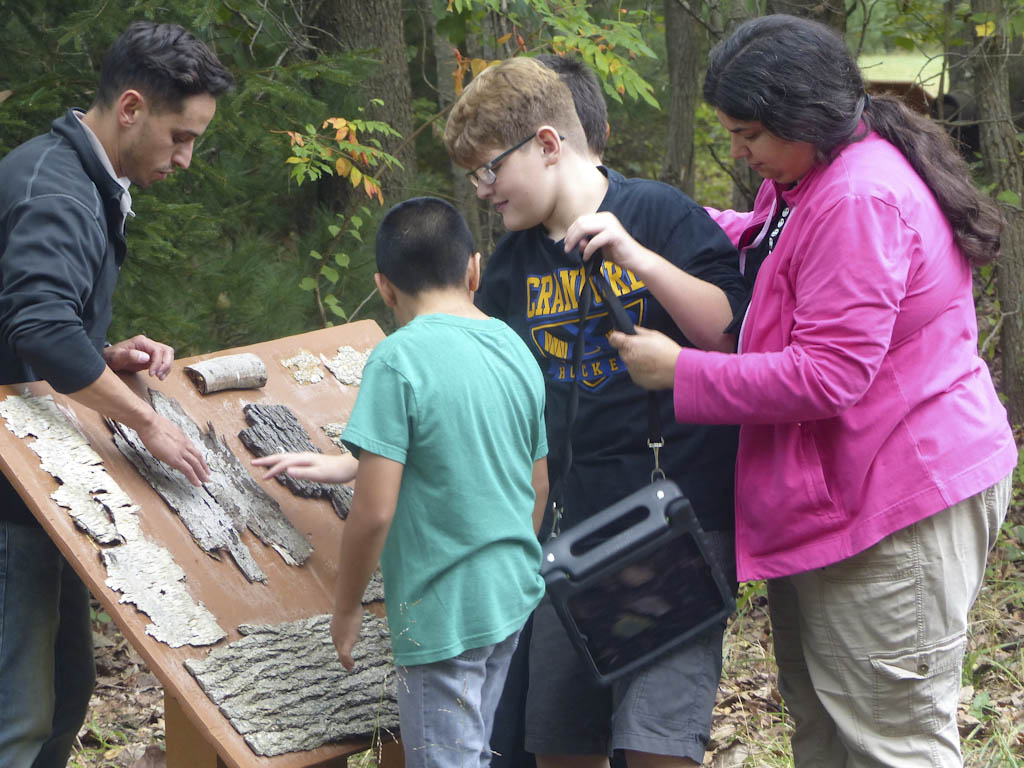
[334, 229]
[903, 42]
[330, 273]
[316, 255]
[342, 260]
[307, 284]
[1009, 197]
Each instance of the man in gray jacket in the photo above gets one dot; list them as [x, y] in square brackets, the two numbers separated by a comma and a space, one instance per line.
[63, 203]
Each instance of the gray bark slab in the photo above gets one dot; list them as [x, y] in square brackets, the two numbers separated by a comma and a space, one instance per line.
[228, 502]
[142, 571]
[64, 453]
[241, 371]
[283, 689]
[276, 429]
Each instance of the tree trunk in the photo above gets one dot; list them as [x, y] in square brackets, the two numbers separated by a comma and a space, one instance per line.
[378, 27]
[686, 44]
[1004, 167]
[445, 65]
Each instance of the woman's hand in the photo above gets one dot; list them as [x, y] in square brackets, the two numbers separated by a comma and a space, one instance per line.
[649, 355]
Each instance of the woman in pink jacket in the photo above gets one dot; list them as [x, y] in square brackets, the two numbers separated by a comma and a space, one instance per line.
[875, 457]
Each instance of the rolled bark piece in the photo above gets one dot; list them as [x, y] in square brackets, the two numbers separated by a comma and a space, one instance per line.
[242, 371]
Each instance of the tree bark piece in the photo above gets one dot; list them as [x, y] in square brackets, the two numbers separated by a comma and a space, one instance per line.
[283, 689]
[226, 504]
[141, 570]
[241, 371]
[276, 429]
[347, 365]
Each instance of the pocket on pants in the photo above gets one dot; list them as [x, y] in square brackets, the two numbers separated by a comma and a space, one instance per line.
[916, 692]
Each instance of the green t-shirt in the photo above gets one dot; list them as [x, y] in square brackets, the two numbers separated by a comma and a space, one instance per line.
[459, 402]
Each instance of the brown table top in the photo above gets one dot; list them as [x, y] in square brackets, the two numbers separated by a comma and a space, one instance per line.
[291, 592]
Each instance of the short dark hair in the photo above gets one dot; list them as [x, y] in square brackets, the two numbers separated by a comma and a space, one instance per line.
[423, 243]
[164, 62]
[586, 95]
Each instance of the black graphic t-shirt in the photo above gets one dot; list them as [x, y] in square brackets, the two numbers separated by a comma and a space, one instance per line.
[534, 286]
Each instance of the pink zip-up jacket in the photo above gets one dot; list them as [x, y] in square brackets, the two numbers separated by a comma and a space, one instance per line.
[863, 402]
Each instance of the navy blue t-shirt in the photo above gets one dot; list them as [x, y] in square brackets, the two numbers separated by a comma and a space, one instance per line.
[533, 285]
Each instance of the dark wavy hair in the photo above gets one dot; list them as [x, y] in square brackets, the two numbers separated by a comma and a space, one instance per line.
[423, 243]
[798, 79]
[164, 62]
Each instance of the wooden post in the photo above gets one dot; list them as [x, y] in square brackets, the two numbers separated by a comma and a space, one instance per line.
[186, 748]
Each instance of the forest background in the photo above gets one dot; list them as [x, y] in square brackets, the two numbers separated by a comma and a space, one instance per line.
[338, 114]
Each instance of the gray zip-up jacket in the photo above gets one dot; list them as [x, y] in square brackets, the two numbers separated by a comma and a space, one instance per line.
[61, 248]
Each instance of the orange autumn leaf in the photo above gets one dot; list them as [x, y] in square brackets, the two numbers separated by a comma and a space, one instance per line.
[343, 166]
[504, 38]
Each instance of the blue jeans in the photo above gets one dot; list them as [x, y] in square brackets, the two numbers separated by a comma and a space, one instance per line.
[46, 663]
[446, 708]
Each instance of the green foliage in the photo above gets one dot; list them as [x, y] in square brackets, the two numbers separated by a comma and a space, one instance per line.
[608, 45]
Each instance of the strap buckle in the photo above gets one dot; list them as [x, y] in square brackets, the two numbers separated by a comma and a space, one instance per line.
[656, 445]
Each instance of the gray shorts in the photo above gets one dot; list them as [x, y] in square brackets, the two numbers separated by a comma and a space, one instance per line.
[664, 708]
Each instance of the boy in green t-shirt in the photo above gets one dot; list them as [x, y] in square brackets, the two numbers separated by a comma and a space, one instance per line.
[451, 480]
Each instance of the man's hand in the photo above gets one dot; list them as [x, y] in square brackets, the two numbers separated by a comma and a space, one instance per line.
[649, 355]
[139, 353]
[345, 628]
[318, 467]
[165, 440]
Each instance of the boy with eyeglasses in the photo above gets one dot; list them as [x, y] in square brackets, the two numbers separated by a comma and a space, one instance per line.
[516, 128]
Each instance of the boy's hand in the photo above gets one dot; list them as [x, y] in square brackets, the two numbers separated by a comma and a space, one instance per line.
[345, 628]
[602, 230]
[318, 467]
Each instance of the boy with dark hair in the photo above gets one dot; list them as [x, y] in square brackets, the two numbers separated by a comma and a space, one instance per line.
[516, 127]
[587, 97]
[64, 200]
[451, 481]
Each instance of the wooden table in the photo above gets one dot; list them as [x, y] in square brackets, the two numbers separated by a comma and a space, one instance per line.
[197, 734]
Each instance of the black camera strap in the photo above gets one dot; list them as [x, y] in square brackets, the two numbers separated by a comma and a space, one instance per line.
[593, 278]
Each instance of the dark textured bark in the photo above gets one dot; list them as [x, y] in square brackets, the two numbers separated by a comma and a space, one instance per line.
[275, 429]
[283, 688]
[686, 44]
[1004, 168]
[227, 503]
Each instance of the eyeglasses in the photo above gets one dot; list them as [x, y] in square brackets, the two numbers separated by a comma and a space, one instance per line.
[485, 174]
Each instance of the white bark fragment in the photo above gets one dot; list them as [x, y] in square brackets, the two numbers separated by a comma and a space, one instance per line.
[334, 431]
[347, 366]
[283, 689]
[304, 367]
[143, 571]
[241, 371]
